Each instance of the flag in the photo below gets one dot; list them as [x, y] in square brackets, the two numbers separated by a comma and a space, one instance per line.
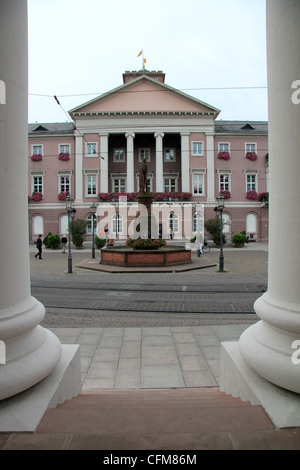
[140, 53]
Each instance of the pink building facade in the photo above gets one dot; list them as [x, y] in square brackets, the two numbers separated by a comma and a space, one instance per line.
[192, 157]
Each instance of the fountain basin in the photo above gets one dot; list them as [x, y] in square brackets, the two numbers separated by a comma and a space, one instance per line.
[125, 256]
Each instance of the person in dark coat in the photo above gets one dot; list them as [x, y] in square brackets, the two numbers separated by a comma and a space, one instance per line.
[39, 245]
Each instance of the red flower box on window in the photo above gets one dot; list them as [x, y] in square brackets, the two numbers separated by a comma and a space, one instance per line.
[224, 155]
[36, 157]
[226, 194]
[252, 195]
[64, 156]
[251, 156]
[36, 196]
[63, 195]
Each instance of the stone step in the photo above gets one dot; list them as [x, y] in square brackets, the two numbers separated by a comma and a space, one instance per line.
[138, 412]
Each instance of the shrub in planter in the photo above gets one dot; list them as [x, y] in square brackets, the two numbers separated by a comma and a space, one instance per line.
[100, 242]
[46, 240]
[239, 239]
[53, 241]
[212, 226]
[217, 238]
[78, 230]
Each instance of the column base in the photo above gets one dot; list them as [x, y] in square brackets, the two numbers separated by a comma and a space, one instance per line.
[24, 412]
[268, 350]
[239, 380]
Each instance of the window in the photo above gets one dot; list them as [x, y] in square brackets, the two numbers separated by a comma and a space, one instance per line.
[64, 148]
[91, 185]
[64, 184]
[119, 185]
[170, 184]
[117, 223]
[223, 147]
[89, 227]
[198, 184]
[251, 183]
[197, 149]
[91, 149]
[170, 155]
[37, 149]
[249, 148]
[144, 154]
[224, 182]
[38, 224]
[119, 155]
[38, 184]
[173, 223]
[64, 224]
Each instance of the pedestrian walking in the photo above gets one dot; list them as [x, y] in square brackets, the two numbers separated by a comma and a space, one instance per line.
[39, 245]
[64, 242]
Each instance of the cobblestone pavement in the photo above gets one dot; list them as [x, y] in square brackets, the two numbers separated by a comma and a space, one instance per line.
[150, 299]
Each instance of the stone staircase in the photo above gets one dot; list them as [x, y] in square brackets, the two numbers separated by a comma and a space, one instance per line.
[202, 418]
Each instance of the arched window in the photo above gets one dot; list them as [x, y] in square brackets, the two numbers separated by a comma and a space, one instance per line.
[38, 225]
[117, 223]
[173, 224]
[226, 223]
[251, 225]
[90, 224]
[64, 224]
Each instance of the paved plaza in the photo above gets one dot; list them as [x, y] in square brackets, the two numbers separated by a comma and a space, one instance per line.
[146, 356]
[150, 380]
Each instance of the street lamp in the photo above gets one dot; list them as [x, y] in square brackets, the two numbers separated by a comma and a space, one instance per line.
[71, 211]
[93, 212]
[220, 208]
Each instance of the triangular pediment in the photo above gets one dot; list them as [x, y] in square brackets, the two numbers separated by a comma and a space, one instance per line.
[144, 95]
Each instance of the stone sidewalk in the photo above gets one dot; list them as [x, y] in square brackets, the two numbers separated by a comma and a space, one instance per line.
[150, 358]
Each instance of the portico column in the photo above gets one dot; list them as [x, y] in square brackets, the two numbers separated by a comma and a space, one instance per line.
[210, 167]
[267, 346]
[32, 352]
[130, 161]
[159, 171]
[185, 162]
[104, 163]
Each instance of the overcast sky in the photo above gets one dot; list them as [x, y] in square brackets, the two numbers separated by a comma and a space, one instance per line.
[81, 48]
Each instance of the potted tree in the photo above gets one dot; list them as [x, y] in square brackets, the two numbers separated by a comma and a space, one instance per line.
[239, 239]
[78, 230]
[100, 242]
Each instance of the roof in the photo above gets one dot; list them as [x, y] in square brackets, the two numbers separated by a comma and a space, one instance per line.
[51, 128]
[241, 127]
[89, 107]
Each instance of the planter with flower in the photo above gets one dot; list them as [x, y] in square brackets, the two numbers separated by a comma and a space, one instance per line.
[264, 198]
[224, 155]
[145, 243]
[64, 156]
[226, 194]
[36, 196]
[251, 156]
[252, 195]
[239, 239]
[36, 157]
[63, 195]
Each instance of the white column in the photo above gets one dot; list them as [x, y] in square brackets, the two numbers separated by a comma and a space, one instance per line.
[210, 175]
[32, 352]
[130, 161]
[159, 168]
[79, 168]
[104, 163]
[185, 162]
[267, 346]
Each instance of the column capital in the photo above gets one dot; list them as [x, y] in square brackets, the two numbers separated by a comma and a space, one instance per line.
[130, 134]
[159, 134]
